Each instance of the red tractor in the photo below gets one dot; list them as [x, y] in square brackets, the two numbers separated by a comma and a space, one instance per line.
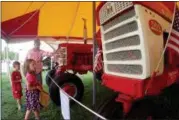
[76, 58]
[133, 36]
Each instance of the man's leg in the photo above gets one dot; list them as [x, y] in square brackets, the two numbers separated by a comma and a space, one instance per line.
[39, 77]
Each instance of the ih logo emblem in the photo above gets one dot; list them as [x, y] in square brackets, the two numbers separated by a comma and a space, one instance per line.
[109, 9]
[155, 27]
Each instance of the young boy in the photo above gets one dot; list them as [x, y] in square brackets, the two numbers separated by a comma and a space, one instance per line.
[16, 83]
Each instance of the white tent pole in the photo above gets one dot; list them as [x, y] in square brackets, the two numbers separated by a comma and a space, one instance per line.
[51, 60]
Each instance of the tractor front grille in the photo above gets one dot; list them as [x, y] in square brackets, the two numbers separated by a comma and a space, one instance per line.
[121, 40]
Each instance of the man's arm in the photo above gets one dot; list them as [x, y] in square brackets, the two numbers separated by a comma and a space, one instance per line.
[45, 53]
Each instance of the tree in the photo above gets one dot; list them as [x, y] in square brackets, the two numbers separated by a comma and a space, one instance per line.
[11, 55]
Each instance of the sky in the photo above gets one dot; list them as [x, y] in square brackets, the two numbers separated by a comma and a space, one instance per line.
[23, 48]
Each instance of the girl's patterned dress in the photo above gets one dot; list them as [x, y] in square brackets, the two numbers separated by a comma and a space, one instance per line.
[32, 96]
[16, 84]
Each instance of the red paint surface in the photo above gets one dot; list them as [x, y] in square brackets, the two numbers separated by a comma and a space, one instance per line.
[70, 90]
[64, 37]
[126, 100]
[136, 88]
[84, 59]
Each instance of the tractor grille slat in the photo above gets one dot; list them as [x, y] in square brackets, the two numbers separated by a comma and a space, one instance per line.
[127, 69]
[119, 19]
[125, 42]
[130, 27]
[122, 5]
[124, 55]
[111, 9]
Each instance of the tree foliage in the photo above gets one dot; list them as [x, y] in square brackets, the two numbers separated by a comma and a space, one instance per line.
[11, 55]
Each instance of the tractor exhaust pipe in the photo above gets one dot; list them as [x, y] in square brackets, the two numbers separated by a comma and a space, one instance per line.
[84, 31]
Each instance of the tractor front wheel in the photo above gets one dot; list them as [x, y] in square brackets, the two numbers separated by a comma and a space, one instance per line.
[70, 83]
[143, 109]
[110, 109]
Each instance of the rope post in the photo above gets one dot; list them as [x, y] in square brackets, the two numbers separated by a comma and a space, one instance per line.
[94, 52]
[79, 103]
[59, 98]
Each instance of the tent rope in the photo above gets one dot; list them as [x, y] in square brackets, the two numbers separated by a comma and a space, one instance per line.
[30, 4]
[73, 21]
[27, 20]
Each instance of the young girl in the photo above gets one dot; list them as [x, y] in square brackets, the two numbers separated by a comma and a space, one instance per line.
[33, 88]
[16, 83]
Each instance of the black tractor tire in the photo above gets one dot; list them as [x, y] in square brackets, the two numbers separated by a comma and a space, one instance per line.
[163, 106]
[61, 80]
[168, 103]
[50, 73]
[110, 109]
[143, 109]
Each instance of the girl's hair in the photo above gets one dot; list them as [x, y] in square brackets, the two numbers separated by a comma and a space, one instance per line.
[15, 63]
[27, 68]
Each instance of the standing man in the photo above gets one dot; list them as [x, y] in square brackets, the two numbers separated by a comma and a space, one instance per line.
[37, 54]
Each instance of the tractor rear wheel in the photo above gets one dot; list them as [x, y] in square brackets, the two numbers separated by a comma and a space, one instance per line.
[70, 83]
[110, 109]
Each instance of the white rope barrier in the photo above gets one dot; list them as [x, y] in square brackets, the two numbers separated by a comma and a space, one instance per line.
[88, 109]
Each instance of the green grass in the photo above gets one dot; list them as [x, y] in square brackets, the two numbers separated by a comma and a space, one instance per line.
[10, 112]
